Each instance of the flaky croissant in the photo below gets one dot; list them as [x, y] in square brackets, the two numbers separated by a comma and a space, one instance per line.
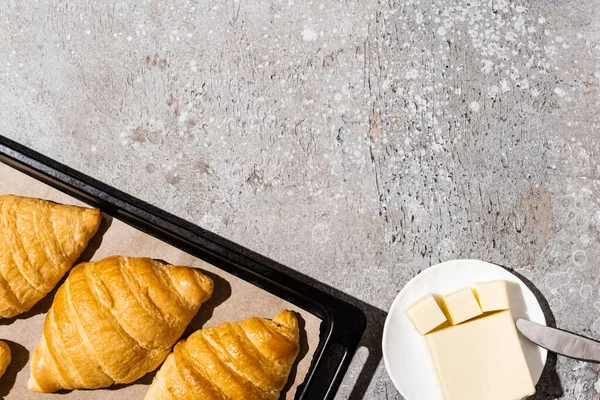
[114, 320]
[39, 242]
[248, 360]
[5, 357]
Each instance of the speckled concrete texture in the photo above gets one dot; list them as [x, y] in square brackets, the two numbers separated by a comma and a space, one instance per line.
[357, 142]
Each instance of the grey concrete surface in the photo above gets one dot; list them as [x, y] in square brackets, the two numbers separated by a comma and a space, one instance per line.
[357, 142]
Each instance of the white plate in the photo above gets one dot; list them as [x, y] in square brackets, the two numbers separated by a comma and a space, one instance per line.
[404, 350]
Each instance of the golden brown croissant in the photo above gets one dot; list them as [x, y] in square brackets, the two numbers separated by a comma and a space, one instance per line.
[249, 360]
[39, 242]
[4, 357]
[114, 320]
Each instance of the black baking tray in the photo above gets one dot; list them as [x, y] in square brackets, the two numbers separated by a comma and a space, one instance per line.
[342, 324]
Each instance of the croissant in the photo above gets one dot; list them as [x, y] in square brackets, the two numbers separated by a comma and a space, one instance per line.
[4, 357]
[114, 320]
[39, 242]
[249, 360]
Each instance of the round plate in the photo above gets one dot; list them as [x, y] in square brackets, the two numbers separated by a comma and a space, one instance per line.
[404, 350]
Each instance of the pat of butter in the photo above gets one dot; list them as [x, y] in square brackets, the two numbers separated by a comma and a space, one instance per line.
[481, 360]
[461, 306]
[492, 296]
[426, 314]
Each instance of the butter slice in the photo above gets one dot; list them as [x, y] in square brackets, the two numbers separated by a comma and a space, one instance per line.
[481, 360]
[492, 296]
[426, 314]
[461, 306]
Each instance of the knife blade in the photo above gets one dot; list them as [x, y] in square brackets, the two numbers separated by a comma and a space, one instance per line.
[565, 343]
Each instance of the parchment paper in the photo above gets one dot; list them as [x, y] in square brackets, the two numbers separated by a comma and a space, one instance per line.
[233, 299]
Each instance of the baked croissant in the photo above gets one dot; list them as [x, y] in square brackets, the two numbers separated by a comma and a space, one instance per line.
[4, 357]
[248, 360]
[39, 242]
[114, 320]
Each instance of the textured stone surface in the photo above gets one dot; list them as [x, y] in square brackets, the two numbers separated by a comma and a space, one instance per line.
[358, 142]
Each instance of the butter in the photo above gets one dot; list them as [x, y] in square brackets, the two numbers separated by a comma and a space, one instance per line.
[492, 296]
[481, 360]
[461, 306]
[426, 314]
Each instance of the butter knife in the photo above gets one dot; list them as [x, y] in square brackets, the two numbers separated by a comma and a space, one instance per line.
[561, 342]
